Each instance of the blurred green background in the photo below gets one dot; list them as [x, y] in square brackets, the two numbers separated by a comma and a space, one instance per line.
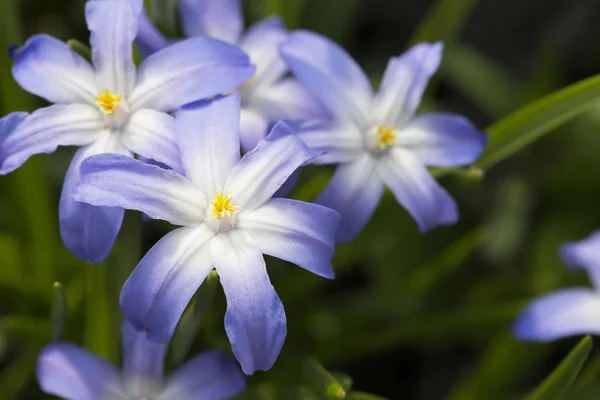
[409, 316]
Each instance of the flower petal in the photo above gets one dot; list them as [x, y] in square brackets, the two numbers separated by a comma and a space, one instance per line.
[255, 320]
[295, 231]
[89, 232]
[261, 43]
[584, 254]
[113, 25]
[209, 139]
[142, 359]
[416, 190]
[162, 284]
[566, 312]
[329, 74]
[253, 128]
[211, 375]
[354, 192]
[113, 180]
[149, 39]
[404, 82]
[221, 19]
[339, 141]
[8, 125]
[188, 71]
[73, 373]
[49, 68]
[442, 140]
[263, 170]
[151, 134]
[46, 129]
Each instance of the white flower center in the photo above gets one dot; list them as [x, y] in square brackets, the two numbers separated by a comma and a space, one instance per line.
[379, 138]
[221, 215]
[114, 107]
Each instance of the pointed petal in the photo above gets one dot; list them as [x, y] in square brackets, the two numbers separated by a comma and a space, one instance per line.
[46, 129]
[113, 180]
[162, 284]
[113, 25]
[221, 19]
[354, 192]
[416, 190]
[142, 359]
[209, 139]
[253, 128]
[566, 312]
[87, 231]
[584, 254]
[329, 74]
[339, 142]
[211, 375]
[295, 231]
[263, 170]
[73, 373]
[261, 43]
[404, 83]
[188, 71]
[151, 134]
[149, 39]
[255, 320]
[443, 140]
[49, 68]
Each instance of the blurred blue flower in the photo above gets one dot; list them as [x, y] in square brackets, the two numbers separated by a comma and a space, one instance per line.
[73, 373]
[111, 107]
[567, 312]
[375, 138]
[229, 220]
[270, 95]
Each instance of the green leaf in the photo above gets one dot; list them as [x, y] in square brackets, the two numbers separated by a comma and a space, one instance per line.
[321, 381]
[564, 375]
[59, 311]
[164, 15]
[443, 21]
[526, 125]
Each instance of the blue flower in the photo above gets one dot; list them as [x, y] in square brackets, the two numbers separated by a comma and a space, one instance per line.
[74, 373]
[111, 107]
[375, 138]
[270, 95]
[567, 312]
[229, 220]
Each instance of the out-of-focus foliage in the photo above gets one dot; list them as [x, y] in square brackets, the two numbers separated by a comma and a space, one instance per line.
[409, 316]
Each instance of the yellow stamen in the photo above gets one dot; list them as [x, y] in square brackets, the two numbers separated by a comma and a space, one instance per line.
[221, 205]
[385, 136]
[248, 83]
[107, 101]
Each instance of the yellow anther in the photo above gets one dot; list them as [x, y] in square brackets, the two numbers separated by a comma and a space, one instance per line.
[385, 136]
[107, 101]
[221, 206]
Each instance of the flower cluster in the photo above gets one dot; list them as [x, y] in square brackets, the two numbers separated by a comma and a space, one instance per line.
[203, 133]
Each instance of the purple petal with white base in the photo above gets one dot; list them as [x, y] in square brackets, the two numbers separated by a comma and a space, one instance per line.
[414, 187]
[584, 254]
[113, 25]
[162, 284]
[442, 140]
[209, 139]
[404, 83]
[329, 74]
[87, 231]
[74, 373]
[566, 312]
[295, 231]
[187, 71]
[119, 181]
[221, 19]
[259, 174]
[211, 375]
[354, 192]
[49, 68]
[46, 129]
[255, 321]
